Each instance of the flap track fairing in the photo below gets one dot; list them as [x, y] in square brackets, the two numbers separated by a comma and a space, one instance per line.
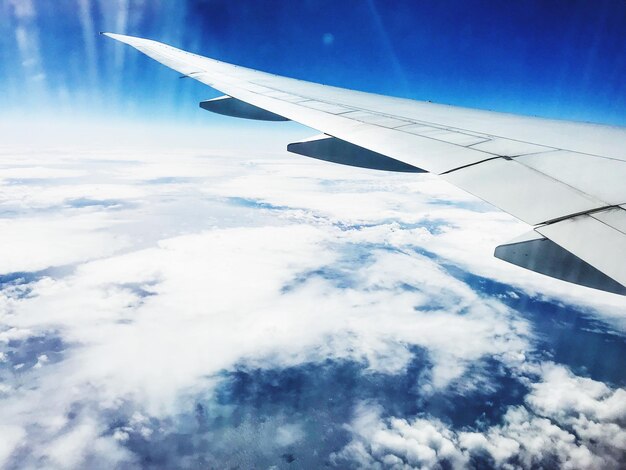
[331, 149]
[229, 106]
[537, 253]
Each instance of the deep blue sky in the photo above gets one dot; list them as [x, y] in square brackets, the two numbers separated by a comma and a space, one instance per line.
[564, 59]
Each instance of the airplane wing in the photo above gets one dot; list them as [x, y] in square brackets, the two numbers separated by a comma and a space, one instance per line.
[566, 179]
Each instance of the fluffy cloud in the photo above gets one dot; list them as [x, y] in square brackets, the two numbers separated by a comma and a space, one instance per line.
[567, 422]
[397, 443]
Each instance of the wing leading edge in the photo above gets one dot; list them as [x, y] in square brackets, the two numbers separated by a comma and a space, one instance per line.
[565, 179]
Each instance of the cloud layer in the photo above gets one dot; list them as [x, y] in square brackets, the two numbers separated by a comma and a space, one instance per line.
[191, 308]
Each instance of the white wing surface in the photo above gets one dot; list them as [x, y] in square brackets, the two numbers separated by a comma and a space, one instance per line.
[566, 179]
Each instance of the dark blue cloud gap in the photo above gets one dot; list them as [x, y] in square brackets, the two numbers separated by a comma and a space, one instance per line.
[255, 204]
[228, 427]
[27, 277]
[19, 278]
[474, 206]
[340, 274]
[89, 202]
[25, 353]
[497, 388]
[563, 333]
[336, 386]
[140, 289]
[574, 338]
[338, 277]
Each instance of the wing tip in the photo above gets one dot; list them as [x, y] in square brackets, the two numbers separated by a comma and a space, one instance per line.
[118, 37]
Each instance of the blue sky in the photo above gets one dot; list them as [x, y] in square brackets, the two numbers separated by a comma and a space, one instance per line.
[563, 59]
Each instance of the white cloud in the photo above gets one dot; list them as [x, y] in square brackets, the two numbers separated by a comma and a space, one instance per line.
[289, 434]
[562, 396]
[36, 243]
[399, 444]
[10, 438]
[38, 172]
[567, 422]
